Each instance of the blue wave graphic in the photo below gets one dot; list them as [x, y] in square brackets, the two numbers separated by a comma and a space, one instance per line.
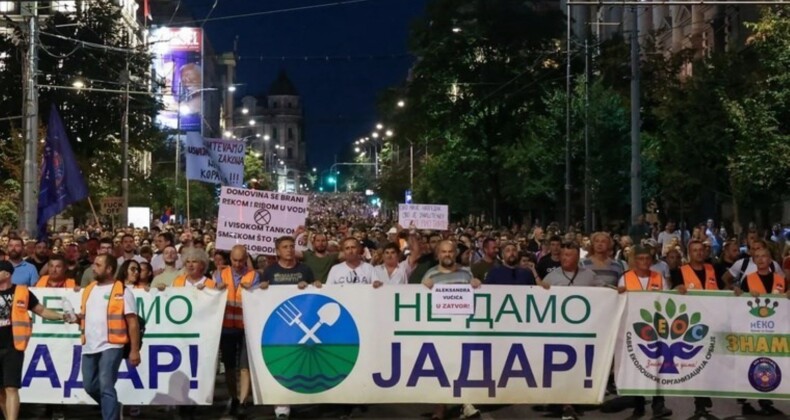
[314, 378]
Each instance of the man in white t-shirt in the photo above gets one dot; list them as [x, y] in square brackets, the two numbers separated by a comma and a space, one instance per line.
[745, 266]
[393, 270]
[108, 326]
[353, 270]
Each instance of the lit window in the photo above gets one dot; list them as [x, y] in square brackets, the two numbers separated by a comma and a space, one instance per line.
[7, 6]
[64, 6]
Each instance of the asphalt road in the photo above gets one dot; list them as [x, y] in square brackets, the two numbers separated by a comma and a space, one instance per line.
[683, 408]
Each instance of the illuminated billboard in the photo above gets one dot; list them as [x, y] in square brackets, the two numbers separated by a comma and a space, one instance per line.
[178, 69]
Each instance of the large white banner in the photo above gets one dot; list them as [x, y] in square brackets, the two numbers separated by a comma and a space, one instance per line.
[256, 219]
[356, 344]
[705, 344]
[423, 216]
[216, 161]
[179, 354]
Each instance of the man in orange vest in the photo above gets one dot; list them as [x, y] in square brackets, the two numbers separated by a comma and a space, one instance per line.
[641, 278]
[232, 344]
[57, 274]
[15, 331]
[108, 321]
[697, 275]
[761, 282]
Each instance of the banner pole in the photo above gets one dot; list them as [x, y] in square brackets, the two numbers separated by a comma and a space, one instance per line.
[93, 210]
[187, 203]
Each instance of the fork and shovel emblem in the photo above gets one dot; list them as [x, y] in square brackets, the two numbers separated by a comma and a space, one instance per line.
[291, 315]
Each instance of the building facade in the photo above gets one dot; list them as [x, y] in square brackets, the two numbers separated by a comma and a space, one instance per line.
[273, 127]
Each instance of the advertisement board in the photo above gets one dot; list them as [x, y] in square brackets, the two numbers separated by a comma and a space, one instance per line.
[178, 70]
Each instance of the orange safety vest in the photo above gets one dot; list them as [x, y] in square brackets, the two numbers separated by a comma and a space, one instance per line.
[756, 285]
[117, 332]
[181, 281]
[692, 282]
[21, 324]
[632, 282]
[233, 315]
[44, 282]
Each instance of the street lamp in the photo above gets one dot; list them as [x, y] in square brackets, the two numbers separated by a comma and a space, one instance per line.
[379, 126]
[252, 122]
[401, 103]
[245, 111]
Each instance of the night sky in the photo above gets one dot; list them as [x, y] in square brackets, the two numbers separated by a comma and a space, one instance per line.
[339, 95]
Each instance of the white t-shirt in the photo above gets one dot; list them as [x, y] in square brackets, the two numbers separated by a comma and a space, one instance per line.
[735, 269]
[399, 276]
[343, 274]
[158, 263]
[96, 318]
[644, 281]
[188, 283]
[661, 267]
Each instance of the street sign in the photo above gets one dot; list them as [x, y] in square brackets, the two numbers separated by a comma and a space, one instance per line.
[408, 197]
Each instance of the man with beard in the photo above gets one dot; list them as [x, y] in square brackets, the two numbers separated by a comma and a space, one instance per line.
[162, 241]
[40, 255]
[129, 248]
[449, 272]
[15, 331]
[170, 272]
[108, 320]
[481, 267]
[509, 271]
[25, 274]
[105, 248]
[319, 260]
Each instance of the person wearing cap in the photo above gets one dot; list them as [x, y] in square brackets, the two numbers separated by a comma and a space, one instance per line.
[15, 331]
[642, 278]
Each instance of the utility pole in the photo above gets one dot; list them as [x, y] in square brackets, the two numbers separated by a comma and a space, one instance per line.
[636, 162]
[568, 118]
[125, 78]
[30, 112]
[587, 180]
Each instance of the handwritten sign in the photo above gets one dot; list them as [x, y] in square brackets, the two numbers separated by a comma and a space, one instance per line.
[423, 216]
[215, 161]
[452, 299]
[111, 206]
[256, 219]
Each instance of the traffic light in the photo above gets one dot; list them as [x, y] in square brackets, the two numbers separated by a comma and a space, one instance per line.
[331, 180]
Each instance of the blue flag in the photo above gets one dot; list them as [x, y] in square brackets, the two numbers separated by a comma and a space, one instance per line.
[61, 180]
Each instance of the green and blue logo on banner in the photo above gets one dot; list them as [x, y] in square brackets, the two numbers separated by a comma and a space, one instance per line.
[310, 343]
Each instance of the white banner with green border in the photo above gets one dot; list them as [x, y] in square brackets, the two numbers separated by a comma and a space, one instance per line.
[179, 354]
[357, 344]
[704, 344]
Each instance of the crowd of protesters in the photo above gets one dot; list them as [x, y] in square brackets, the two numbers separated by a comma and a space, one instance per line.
[348, 240]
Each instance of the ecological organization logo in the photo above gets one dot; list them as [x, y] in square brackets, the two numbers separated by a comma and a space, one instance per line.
[762, 308]
[764, 374]
[669, 334]
[310, 343]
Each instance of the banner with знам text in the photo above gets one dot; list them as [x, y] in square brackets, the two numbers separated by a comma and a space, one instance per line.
[178, 358]
[702, 344]
[357, 344]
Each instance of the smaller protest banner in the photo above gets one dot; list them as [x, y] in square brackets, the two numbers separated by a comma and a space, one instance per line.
[256, 219]
[453, 299]
[215, 161]
[423, 216]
